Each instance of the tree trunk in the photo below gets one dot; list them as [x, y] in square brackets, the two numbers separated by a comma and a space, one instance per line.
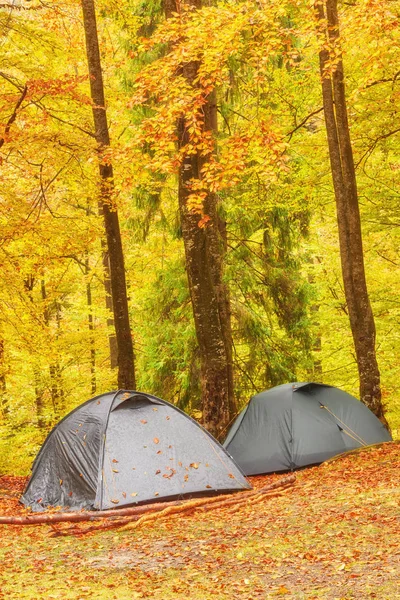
[29, 283]
[91, 330]
[204, 252]
[5, 409]
[126, 369]
[56, 389]
[348, 213]
[112, 340]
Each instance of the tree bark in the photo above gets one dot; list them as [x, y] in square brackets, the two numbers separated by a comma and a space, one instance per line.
[91, 330]
[205, 248]
[112, 340]
[126, 369]
[348, 213]
[40, 404]
[56, 388]
[5, 409]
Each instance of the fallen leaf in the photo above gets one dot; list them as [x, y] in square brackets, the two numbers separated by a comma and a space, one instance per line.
[156, 440]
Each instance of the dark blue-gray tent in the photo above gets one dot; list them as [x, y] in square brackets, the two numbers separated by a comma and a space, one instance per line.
[299, 424]
[127, 447]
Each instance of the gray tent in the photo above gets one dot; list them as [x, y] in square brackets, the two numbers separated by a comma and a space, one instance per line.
[123, 448]
[299, 424]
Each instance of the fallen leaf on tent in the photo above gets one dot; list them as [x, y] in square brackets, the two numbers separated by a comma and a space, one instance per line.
[61, 481]
[159, 452]
[115, 471]
[186, 478]
[134, 494]
[168, 418]
[157, 493]
[156, 440]
[231, 476]
[158, 471]
[143, 421]
[114, 460]
[169, 475]
[114, 501]
[124, 494]
[194, 465]
[209, 486]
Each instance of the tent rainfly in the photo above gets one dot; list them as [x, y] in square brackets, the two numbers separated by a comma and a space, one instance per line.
[124, 448]
[299, 424]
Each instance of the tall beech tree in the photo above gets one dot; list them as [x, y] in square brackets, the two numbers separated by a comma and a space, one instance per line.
[348, 214]
[126, 368]
[204, 238]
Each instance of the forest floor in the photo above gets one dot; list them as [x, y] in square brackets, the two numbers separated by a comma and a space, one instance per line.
[334, 535]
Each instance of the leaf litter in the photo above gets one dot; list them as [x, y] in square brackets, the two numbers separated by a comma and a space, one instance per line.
[334, 536]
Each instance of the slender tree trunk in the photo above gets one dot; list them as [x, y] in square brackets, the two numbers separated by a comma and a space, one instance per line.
[91, 331]
[204, 252]
[348, 213]
[316, 370]
[56, 389]
[5, 409]
[39, 391]
[126, 369]
[112, 340]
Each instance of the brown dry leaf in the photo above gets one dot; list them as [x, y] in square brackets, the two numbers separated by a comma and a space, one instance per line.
[134, 494]
[143, 421]
[156, 440]
[114, 501]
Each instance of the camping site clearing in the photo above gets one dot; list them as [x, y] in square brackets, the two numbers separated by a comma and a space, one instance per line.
[335, 534]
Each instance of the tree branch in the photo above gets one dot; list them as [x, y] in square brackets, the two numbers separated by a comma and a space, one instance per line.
[304, 121]
[390, 80]
[14, 115]
[42, 107]
[369, 151]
